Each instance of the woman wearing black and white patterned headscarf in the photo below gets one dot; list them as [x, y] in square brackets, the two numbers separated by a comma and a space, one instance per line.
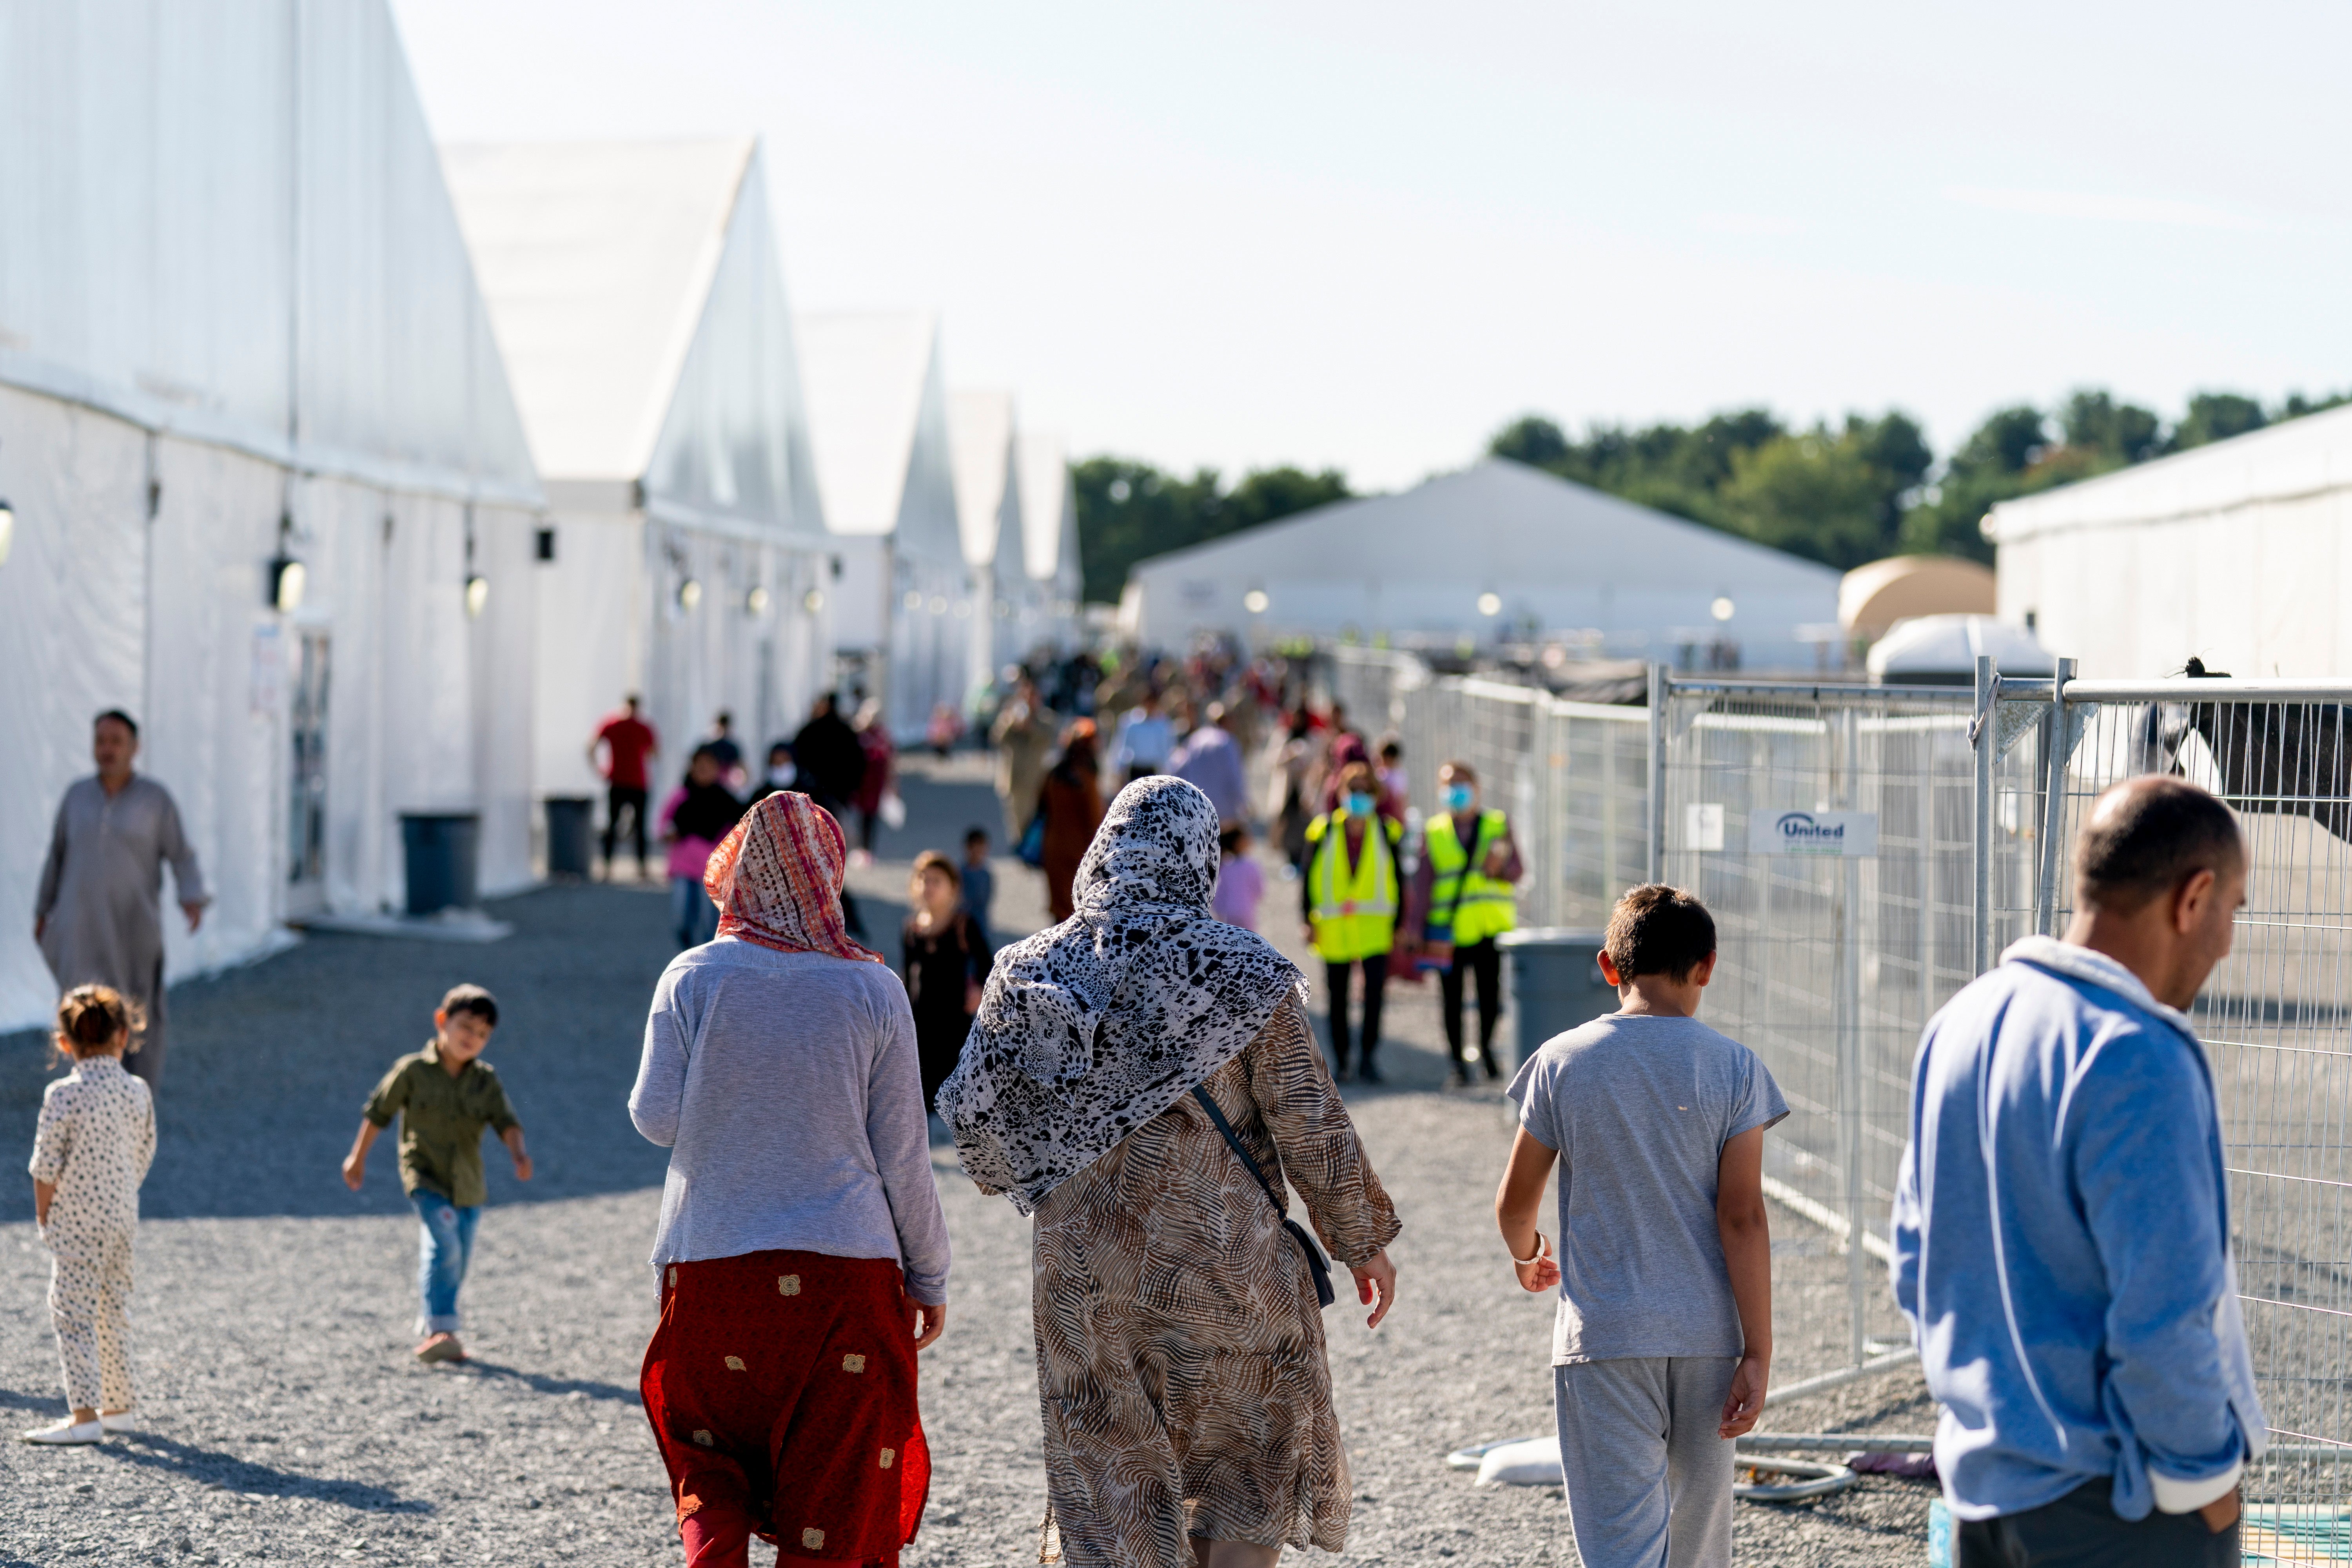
[1084, 1096]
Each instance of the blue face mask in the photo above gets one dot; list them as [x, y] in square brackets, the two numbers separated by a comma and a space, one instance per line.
[1458, 797]
[1360, 805]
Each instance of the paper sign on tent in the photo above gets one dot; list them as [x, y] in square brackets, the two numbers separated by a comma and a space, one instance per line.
[1815, 834]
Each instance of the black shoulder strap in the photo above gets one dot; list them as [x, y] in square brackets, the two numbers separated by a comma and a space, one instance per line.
[1201, 1093]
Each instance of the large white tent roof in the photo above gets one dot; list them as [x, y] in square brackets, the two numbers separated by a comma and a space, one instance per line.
[980, 427]
[2300, 458]
[1552, 554]
[1049, 514]
[877, 416]
[187, 247]
[637, 290]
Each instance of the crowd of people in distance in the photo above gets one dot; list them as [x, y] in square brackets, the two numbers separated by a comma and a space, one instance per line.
[1141, 1079]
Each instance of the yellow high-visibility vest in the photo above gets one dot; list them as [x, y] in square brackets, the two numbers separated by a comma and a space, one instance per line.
[1354, 907]
[1482, 907]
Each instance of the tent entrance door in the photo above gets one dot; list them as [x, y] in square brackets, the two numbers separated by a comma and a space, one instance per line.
[306, 796]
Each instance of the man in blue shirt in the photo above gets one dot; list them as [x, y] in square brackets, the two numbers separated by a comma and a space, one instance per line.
[2061, 1227]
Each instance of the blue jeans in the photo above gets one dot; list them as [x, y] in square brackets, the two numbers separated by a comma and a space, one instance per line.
[444, 1247]
[693, 918]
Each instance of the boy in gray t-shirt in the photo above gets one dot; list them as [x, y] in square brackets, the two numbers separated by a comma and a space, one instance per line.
[1663, 1335]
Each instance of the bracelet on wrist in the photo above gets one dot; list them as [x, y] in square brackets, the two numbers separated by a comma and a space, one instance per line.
[1543, 1250]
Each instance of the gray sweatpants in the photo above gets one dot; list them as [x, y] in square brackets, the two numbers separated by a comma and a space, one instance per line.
[1649, 1483]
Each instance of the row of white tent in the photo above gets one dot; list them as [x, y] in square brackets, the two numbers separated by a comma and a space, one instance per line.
[368, 474]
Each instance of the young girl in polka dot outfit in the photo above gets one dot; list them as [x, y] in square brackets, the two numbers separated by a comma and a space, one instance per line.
[94, 1143]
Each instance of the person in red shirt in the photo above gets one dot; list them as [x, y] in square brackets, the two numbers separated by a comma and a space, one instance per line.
[629, 744]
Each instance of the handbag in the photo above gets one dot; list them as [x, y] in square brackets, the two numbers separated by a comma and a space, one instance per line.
[1317, 1264]
[1032, 848]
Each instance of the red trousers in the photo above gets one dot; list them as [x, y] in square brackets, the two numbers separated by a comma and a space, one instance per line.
[781, 1387]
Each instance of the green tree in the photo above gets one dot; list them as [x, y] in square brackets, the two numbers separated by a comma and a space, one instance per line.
[2216, 416]
[1531, 439]
[1813, 495]
[1128, 511]
[2092, 420]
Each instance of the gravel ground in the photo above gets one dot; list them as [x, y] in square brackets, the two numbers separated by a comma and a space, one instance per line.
[284, 1422]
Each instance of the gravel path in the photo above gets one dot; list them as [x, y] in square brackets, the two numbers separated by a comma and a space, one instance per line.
[285, 1423]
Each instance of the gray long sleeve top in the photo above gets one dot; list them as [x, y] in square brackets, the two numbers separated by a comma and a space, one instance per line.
[786, 1088]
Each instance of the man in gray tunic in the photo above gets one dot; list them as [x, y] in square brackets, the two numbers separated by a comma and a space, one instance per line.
[99, 914]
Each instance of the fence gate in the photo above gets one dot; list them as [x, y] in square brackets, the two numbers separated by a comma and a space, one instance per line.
[2275, 1018]
[1828, 829]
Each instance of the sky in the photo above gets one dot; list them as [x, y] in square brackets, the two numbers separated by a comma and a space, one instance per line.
[1366, 235]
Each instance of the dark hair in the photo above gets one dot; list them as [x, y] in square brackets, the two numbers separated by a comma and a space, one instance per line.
[933, 860]
[724, 719]
[1391, 747]
[1658, 930]
[1349, 770]
[1464, 774]
[780, 747]
[470, 998]
[89, 1017]
[975, 834]
[1230, 837]
[631, 701]
[2148, 834]
[119, 717]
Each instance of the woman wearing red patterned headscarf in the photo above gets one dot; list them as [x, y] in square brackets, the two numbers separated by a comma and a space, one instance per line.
[803, 1257]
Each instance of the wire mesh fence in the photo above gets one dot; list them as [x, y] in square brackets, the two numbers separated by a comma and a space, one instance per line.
[1828, 829]
[1572, 776]
[2275, 1016]
[1837, 949]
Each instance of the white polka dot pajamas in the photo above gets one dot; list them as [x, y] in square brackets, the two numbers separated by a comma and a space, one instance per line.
[94, 1143]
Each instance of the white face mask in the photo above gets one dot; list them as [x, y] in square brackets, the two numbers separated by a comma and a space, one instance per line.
[781, 775]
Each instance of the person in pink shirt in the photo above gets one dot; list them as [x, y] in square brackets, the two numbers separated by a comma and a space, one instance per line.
[1240, 880]
[699, 813]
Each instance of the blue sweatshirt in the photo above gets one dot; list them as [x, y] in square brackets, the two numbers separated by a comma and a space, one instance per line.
[2061, 1244]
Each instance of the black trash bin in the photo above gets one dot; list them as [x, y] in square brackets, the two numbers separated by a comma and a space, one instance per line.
[1556, 982]
[570, 822]
[442, 849]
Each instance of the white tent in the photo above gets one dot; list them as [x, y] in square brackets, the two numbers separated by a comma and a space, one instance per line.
[1049, 524]
[637, 292]
[988, 500]
[1497, 549]
[2239, 553]
[237, 323]
[878, 417]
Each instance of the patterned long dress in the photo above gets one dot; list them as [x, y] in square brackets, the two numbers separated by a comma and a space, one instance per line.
[1179, 1348]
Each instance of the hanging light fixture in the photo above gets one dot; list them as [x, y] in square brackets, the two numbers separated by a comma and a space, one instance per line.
[689, 595]
[812, 600]
[477, 594]
[288, 578]
[7, 529]
[1255, 601]
[755, 603]
[1490, 603]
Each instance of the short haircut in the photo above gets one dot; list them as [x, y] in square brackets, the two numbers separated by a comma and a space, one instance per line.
[1391, 747]
[933, 860]
[470, 998]
[632, 700]
[1463, 772]
[2146, 836]
[1230, 837]
[975, 834]
[1658, 930]
[725, 720]
[119, 717]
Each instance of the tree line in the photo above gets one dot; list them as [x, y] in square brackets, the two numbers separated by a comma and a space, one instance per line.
[1841, 494]
[1873, 487]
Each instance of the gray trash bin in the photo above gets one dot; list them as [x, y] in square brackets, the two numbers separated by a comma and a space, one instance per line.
[570, 823]
[1556, 982]
[442, 849]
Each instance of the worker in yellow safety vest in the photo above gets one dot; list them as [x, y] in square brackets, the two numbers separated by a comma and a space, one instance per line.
[1461, 899]
[1351, 894]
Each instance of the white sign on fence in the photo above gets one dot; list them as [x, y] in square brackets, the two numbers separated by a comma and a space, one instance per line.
[1703, 826]
[1820, 835]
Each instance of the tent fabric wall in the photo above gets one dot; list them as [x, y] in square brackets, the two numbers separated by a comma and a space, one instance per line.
[1049, 512]
[236, 319]
[2234, 553]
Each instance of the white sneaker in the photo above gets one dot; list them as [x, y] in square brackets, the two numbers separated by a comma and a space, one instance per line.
[119, 1421]
[66, 1431]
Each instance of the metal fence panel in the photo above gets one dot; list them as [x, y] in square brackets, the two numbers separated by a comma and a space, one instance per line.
[1829, 963]
[2275, 1019]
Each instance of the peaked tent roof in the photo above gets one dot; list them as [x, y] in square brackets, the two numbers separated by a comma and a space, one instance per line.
[1504, 522]
[980, 430]
[1049, 513]
[597, 258]
[877, 416]
[2300, 458]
